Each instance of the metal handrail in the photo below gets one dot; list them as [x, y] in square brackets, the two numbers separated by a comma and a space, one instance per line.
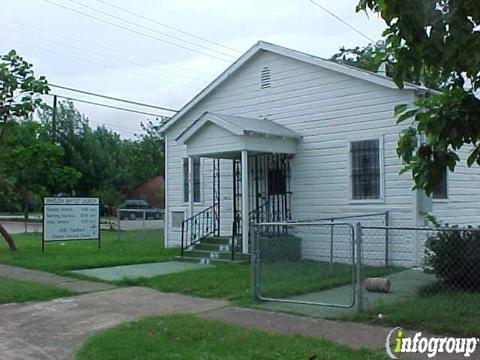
[199, 226]
[236, 223]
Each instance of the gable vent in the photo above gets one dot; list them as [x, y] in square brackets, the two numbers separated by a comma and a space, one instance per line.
[265, 78]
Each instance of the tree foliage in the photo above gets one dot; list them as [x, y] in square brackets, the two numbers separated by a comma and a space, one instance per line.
[109, 165]
[18, 89]
[32, 164]
[369, 57]
[18, 99]
[439, 40]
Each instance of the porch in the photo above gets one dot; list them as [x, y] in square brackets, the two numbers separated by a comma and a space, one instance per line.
[260, 152]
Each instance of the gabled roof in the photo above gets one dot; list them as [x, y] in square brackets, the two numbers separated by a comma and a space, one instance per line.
[238, 125]
[369, 76]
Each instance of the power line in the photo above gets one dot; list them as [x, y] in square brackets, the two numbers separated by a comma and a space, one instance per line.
[99, 54]
[133, 31]
[342, 21]
[105, 105]
[146, 27]
[93, 62]
[167, 26]
[155, 60]
[111, 98]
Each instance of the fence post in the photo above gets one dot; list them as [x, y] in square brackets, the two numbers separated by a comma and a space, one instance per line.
[331, 245]
[118, 224]
[387, 240]
[358, 263]
[253, 262]
[143, 224]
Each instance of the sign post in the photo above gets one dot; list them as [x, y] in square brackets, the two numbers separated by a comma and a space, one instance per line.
[69, 218]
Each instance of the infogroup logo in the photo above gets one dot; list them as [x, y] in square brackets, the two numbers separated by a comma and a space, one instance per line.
[398, 343]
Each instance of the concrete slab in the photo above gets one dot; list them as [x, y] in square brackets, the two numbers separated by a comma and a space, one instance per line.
[116, 273]
[79, 286]
[404, 284]
[55, 329]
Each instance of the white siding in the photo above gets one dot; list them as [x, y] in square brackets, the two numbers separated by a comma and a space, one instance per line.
[328, 109]
[463, 204]
[211, 138]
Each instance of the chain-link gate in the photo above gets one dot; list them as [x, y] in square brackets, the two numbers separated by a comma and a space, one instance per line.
[332, 264]
[309, 263]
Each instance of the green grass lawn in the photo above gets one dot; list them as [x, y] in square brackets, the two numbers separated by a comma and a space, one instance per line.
[189, 337]
[442, 313]
[132, 248]
[16, 291]
[233, 281]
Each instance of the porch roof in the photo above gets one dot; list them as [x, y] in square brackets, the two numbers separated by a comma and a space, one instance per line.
[214, 133]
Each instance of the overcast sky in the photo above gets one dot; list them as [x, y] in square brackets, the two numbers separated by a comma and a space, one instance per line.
[143, 63]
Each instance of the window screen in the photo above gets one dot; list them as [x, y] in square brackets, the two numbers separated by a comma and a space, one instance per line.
[365, 169]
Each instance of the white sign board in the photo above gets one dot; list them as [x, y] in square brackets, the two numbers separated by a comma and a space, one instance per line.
[71, 218]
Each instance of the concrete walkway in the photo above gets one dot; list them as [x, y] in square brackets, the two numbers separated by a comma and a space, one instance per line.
[115, 273]
[55, 329]
[75, 285]
[354, 335]
[350, 334]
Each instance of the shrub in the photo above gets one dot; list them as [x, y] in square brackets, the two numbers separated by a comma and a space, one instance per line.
[454, 257]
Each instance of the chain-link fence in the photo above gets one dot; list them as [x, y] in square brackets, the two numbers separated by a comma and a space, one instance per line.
[148, 222]
[295, 262]
[426, 261]
[338, 264]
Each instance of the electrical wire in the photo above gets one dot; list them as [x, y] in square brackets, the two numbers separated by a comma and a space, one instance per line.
[154, 60]
[105, 105]
[99, 54]
[112, 98]
[167, 26]
[146, 27]
[93, 62]
[344, 22]
[134, 31]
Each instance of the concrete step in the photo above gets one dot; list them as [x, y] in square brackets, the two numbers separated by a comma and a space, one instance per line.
[208, 254]
[198, 260]
[224, 240]
[211, 247]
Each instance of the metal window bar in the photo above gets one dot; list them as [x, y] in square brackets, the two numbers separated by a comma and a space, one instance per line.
[365, 167]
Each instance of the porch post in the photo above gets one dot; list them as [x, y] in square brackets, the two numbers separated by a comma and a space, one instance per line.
[245, 208]
[190, 186]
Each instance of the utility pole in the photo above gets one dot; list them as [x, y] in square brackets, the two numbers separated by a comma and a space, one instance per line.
[54, 119]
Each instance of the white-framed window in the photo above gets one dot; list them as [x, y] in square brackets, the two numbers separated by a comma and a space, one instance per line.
[441, 192]
[197, 180]
[366, 170]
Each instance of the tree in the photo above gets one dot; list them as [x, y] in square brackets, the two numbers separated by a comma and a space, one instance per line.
[110, 166]
[367, 58]
[18, 100]
[151, 144]
[435, 39]
[32, 162]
